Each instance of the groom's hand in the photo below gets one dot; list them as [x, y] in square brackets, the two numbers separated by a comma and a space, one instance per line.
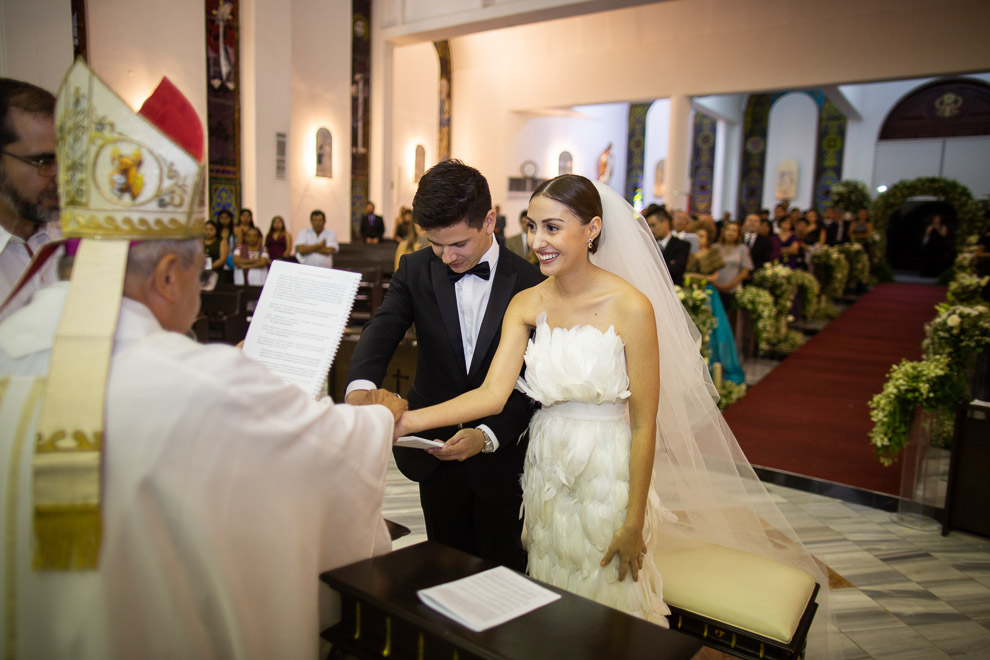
[465, 444]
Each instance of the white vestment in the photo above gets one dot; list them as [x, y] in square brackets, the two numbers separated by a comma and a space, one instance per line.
[225, 493]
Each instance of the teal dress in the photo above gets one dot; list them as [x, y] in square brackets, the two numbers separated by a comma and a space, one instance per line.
[722, 343]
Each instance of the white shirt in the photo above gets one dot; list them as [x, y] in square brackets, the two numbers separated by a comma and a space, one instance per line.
[225, 494]
[255, 276]
[309, 237]
[15, 255]
[472, 294]
[664, 242]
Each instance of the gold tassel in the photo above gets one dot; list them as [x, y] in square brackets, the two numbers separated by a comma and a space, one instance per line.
[68, 537]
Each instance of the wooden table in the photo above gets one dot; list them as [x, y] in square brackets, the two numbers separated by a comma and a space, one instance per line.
[381, 616]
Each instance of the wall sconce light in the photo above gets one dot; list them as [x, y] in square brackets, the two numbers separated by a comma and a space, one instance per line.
[324, 153]
[419, 163]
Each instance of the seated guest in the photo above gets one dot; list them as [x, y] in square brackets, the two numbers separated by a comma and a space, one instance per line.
[278, 242]
[681, 228]
[861, 228]
[787, 243]
[760, 247]
[250, 260]
[403, 223]
[519, 243]
[245, 220]
[372, 227]
[738, 262]
[316, 244]
[705, 262]
[675, 251]
[815, 233]
[200, 497]
[414, 240]
[216, 249]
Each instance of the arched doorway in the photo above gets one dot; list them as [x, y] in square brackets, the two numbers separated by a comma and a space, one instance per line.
[907, 248]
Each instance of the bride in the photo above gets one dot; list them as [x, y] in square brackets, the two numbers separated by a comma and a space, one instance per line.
[628, 419]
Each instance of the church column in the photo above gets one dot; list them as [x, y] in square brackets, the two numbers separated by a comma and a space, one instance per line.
[677, 180]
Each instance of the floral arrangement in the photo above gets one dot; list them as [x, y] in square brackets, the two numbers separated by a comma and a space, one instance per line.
[834, 270]
[966, 288]
[729, 393]
[810, 290]
[859, 263]
[931, 384]
[958, 333]
[850, 195]
[694, 297]
[779, 281]
[759, 303]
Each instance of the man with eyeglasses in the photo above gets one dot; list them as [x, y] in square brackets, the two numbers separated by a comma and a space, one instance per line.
[29, 204]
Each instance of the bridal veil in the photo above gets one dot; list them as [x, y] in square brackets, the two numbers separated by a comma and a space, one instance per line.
[700, 473]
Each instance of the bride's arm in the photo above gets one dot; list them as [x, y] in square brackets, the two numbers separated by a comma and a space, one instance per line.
[639, 334]
[489, 399]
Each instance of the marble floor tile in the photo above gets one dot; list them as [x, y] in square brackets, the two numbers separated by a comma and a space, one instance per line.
[913, 604]
[897, 642]
[922, 567]
[959, 637]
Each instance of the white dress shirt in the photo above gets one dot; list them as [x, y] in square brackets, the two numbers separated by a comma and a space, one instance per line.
[15, 255]
[472, 294]
[309, 237]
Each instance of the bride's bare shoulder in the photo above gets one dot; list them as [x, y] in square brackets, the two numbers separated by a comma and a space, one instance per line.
[629, 304]
[528, 303]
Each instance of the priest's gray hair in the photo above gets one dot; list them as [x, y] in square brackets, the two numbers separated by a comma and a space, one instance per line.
[144, 256]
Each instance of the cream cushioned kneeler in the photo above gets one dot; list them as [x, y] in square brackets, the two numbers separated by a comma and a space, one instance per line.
[756, 594]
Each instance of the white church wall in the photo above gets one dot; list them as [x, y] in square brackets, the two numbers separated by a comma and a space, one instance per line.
[266, 109]
[967, 160]
[792, 135]
[657, 134]
[36, 41]
[414, 121]
[321, 96]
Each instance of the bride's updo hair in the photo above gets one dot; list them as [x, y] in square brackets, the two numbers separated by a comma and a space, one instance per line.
[576, 193]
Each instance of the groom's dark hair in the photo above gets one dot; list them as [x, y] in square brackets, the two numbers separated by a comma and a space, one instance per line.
[450, 192]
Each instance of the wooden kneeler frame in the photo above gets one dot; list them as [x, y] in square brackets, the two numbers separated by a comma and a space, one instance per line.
[742, 643]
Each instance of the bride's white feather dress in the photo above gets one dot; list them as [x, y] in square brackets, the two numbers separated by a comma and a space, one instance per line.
[576, 479]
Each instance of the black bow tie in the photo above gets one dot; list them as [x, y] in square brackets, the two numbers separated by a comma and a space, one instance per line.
[482, 270]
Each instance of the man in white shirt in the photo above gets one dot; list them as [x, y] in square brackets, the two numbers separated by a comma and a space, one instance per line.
[681, 222]
[29, 205]
[316, 244]
[196, 498]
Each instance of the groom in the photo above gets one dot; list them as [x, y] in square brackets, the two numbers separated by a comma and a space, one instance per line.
[455, 294]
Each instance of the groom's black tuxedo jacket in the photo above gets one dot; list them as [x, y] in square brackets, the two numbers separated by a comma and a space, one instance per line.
[420, 293]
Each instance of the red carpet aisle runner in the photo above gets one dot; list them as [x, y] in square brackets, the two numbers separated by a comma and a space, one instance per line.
[810, 416]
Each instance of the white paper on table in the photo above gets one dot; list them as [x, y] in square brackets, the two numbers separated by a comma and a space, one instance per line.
[417, 442]
[299, 321]
[487, 599]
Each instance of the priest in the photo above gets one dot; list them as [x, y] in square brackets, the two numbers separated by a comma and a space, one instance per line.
[163, 498]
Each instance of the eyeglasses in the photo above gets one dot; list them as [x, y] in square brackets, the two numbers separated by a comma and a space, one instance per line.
[46, 165]
[208, 280]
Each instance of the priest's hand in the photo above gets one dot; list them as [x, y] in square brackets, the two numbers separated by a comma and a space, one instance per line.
[627, 542]
[465, 444]
[395, 403]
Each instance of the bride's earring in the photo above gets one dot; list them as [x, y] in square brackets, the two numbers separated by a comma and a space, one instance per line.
[590, 244]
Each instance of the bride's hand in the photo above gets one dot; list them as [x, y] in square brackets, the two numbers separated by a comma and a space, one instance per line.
[628, 543]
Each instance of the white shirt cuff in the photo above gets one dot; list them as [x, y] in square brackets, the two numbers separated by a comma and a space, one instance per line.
[359, 385]
[484, 427]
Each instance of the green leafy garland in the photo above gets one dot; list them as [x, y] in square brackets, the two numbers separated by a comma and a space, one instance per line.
[810, 290]
[968, 210]
[859, 263]
[694, 297]
[931, 384]
[850, 195]
[834, 270]
[959, 333]
[759, 303]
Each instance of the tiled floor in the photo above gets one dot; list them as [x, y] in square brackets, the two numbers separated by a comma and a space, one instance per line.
[915, 594]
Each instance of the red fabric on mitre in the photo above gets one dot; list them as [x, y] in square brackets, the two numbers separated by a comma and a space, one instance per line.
[173, 114]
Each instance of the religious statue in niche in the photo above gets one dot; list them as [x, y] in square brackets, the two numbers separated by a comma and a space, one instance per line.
[359, 100]
[220, 47]
[565, 163]
[658, 178]
[324, 153]
[787, 177]
[605, 165]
